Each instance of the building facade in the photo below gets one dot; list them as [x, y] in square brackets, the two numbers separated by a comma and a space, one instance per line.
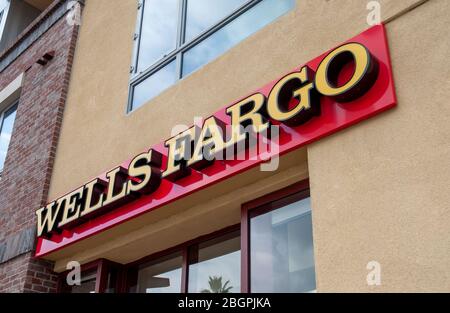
[140, 188]
[37, 50]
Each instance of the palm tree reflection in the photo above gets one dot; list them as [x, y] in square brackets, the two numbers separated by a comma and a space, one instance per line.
[216, 286]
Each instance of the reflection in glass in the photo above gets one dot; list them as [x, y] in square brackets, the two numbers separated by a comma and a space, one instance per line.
[161, 276]
[234, 32]
[88, 280]
[5, 133]
[159, 31]
[281, 253]
[111, 281]
[215, 267]
[153, 85]
[202, 14]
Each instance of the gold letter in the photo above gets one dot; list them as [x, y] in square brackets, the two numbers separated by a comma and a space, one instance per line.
[117, 178]
[364, 76]
[294, 86]
[94, 193]
[72, 206]
[146, 168]
[46, 223]
[247, 112]
[180, 151]
[209, 143]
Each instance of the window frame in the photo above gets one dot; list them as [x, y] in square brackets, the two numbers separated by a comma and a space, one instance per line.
[181, 46]
[184, 249]
[4, 8]
[260, 206]
[102, 267]
[14, 103]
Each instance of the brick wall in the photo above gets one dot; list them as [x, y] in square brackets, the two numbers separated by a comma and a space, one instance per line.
[27, 274]
[25, 181]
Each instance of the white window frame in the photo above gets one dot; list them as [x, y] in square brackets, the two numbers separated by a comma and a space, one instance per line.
[4, 8]
[15, 103]
[10, 96]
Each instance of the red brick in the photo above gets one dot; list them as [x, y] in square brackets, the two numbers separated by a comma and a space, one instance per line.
[32, 150]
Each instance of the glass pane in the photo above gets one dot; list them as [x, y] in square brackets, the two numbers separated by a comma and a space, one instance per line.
[5, 134]
[111, 281]
[159, 31]
[234, 32]
[87, 285]
[216, 267]
[154, 85]
[282, 256]
[202, 14]
[162, 276]
[4, 4]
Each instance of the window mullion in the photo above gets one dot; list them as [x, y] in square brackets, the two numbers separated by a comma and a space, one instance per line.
[185, 270]
[2, 118]
[137, 37]
[179, 65]
[181, 22]
[180, 35]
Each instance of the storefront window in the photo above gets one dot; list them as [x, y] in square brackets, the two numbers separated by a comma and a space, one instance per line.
[161, 276]
[275, 254]
[281, 247]
[112, 280]
[215, 266]
[86, 285]
[100, 276]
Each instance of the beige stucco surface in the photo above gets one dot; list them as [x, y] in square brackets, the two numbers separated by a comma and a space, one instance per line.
[380, 191]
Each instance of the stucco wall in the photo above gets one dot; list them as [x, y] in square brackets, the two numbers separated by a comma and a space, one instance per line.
[380, 191]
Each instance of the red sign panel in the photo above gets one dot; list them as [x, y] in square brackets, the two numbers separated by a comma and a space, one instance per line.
[334, 116]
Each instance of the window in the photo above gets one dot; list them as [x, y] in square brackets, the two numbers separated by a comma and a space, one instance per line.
[215, 266]
[7, 118]
[176, 37]
[17, 16]
[280, 244]
[210, 264]
[87, 284]
[4, 7]
[161, 276]
[100, 276]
